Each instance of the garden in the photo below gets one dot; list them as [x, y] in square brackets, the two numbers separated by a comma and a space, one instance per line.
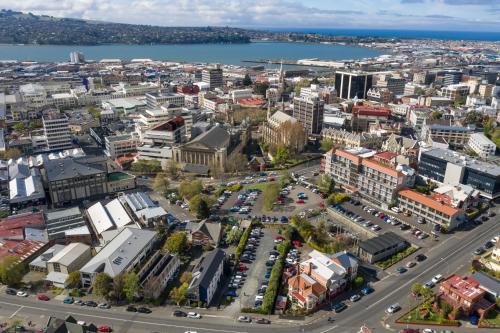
[384, 264]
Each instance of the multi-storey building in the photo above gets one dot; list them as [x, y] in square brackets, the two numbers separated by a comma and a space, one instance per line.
[56, 130]
[309, 112]
[33, 95]
[358, 173]
[157, 272]
[353, 84]
[363, 117]
[439, 130]
[76, 57]
[119, 145]
[449, 167]
[206, 278]
[455, 92]
[396, 85]
[348, 139]
[381, 95]
[420, 205]
[213, 77]
[481, 145]
[155, 100]
[452, 77]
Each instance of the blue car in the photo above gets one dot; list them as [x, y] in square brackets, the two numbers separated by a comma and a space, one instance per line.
[231, 293]
[401, 270]
[367, 290]
[283, 219]
[234, 209]
[68, 300]
[474, 319]
[267, 275]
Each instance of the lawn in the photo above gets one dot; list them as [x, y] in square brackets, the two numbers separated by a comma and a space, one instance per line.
[492, 319]
[258, 186]
[384, 264]
[414, 316]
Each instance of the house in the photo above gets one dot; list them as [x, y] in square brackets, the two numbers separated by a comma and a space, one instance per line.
[126, 251]
[321, 276]
[465, 295]
[68, 325]
[157, 272]
[488, 284]
[70, 259]
[39, 264]
[381, 247]
[493, 262]
[205, 232]
[206, 278]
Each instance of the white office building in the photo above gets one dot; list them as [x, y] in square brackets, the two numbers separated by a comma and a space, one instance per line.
[481, 145]
[56, 130]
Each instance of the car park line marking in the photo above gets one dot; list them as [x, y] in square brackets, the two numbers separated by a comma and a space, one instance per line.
[129, 320]
[329, 329]
[429, 268]
[16, 312]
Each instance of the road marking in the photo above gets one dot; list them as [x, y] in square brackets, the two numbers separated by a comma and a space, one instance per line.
[329, 329]
[130, 320]
[428, 269]
[16, 312]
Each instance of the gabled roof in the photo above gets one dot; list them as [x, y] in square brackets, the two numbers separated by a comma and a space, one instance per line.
[69, 254]
[116, 256]
[216, 137]
[211, 230]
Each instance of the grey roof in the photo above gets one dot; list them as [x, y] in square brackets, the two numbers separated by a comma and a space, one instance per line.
[116, 256]
[450, 128]
[346, 259]
[62, 220]
[41, 260]
[488, 282]
[70, 253]
[216, 137]
[458, 159]
[212, 230]
[20, 170]
[68, 168]
[209, 265]
[68, 325]
[381, 242]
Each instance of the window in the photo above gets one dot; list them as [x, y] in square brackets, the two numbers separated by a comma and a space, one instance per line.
[57, 267]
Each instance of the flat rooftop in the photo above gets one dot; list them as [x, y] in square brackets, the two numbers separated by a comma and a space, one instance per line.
[458, 159]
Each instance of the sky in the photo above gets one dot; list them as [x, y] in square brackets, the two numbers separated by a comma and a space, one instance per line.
[448, 15]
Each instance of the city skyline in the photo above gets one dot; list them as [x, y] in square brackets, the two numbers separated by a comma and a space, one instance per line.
[443, 15]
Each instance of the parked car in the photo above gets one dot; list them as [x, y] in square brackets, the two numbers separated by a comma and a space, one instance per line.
[420, 257]
[429, 284]
[11, 291]
[479, 251]
[411, 264]
[193, 315]
[437, 278]
[104, 306]
[68, 300]
[179, 313]
[22, 293]
[263, 321]
[104, 328]
[79, 302]
[339, 307]
[43, 297]
[244, 319]
[367, 290]
[355, 298]
[401, 270]
[393, 308]
[91, 304]
[131, 308]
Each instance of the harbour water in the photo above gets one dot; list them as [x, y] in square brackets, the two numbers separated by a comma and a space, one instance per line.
[211, 53]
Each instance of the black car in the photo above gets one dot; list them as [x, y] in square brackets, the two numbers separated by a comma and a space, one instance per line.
[420, 257]
[143, 310]
[484, 218]
[131, 308]
[91, 304]
[479, 251]
[11, 291]
[488, 245]
[339, 307]
[179, 313]
[404, 227]
[263, 321]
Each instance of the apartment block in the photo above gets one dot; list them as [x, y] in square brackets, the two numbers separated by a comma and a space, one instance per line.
[213, 77]
[56, 130]
[120, 145]
[157, 272]
[482, 146]
[309, 112]
[430, 209]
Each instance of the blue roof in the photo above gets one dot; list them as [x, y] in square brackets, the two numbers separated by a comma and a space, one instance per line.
[451, 128]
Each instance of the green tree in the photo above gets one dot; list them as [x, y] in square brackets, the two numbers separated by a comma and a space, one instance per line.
[19, 126]
[341, 197]
[161, 183]
[179, 294]
[102, 284]
[286, 178]
[145, 166]
[247, 81]
[176, 243]
[416, 288]
[326, 184]
[358, 281]
[73, 280]
[190, 188]
[199, 205]
[11, 271]
[94, 112]
[35, 124]
[270, 195]
[172, 169]
[301, 84]
[10, 153]
[233, 236]
[475, 118]
[186, 277]
[315, 81]
[131, 285]
[326, 144]
[260, 88]
[117, 286]
[281, 155]
[437, 115]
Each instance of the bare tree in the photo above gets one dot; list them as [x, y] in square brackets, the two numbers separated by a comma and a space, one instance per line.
[293, 136]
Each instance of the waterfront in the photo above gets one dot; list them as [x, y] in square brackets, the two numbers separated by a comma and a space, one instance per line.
[211, 53]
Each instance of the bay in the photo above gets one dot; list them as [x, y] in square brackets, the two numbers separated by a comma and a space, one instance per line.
[232, 54]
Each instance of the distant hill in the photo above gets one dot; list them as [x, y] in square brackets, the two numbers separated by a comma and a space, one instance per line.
[21, 28]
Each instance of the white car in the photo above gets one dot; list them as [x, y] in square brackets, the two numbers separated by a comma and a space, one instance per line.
[393, 308]
[244, 319]
[81, 323]
[22, 294]
[437, 278]
[193, 315]
[428, 330]
[395, 209]
[355, 298]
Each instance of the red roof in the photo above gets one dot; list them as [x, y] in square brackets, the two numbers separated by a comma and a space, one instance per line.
[429, 202]
[251, 101]
[386, 155]
[170, 125]
[381, 168]
[22, 221]
[365, 110]
[354, 158]
[466, 286]
[22, 249]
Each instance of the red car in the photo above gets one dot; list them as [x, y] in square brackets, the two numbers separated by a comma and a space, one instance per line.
[300, 201]
[321, 205]
[280, 238]
[43, 297]
[242, 267]
[104, 328]
[381, 215]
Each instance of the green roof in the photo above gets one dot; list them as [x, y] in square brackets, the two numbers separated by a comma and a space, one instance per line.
[115, 176]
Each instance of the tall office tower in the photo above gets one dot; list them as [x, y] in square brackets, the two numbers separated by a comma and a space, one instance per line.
[355, 84]
[309, 112]
[452, 77]
[56, 129]
[396, 85]
[76, 57]
[213, 76]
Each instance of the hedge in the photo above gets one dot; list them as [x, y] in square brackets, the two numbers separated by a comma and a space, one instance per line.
[243, 242]
[396, 257]
[275, 279]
